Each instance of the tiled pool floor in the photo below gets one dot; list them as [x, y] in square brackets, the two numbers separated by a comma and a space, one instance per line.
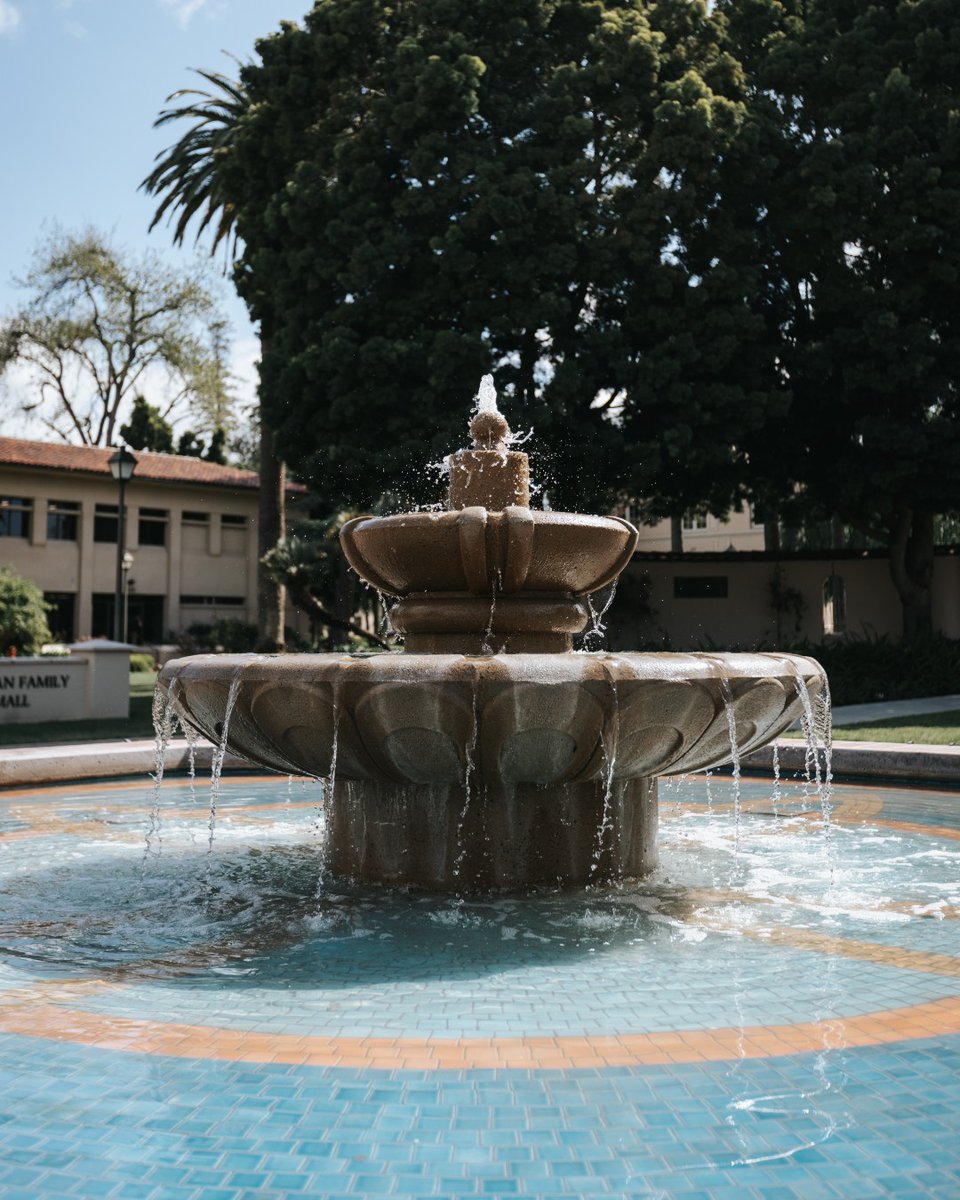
[775, 1015]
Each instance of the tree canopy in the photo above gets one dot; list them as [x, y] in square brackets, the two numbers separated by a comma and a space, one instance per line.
[437, 190]
[710, 252]
[98, 328]
[855, 116]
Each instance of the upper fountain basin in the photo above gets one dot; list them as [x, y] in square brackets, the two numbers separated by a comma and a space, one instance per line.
[480, 552]
[436, 719]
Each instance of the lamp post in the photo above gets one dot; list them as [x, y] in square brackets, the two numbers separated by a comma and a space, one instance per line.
[127, 565]
[122, 466]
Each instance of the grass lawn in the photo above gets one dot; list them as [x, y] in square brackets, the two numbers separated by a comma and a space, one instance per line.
[928, 729]
[138, 725]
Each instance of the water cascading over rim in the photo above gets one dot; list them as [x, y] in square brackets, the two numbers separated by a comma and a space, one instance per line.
[489, 754]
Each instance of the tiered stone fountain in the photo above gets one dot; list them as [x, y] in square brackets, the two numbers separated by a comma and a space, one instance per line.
[489, 753]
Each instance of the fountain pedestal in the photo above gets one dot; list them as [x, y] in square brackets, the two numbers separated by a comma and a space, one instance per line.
[530, 835]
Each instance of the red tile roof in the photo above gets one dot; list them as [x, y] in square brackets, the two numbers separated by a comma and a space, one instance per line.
[92, 460]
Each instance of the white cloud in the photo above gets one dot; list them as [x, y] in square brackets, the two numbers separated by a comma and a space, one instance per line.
[183, 10]
[9, 17]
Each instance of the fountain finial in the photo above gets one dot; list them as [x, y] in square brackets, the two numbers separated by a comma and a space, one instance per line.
[489, 476]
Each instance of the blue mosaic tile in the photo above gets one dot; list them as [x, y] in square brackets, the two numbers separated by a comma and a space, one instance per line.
[77, 1121]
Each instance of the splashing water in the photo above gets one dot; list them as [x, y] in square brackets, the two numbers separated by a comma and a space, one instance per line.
[776, 797]
[486, 396]
[734, 757]
[327, 787]
[593, 638]
[163, 711]
[218, 757]
[486, 646]
[610, 738]
[469, 770]
[817, 727]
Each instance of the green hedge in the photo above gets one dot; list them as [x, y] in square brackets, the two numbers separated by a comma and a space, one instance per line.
[865, 669]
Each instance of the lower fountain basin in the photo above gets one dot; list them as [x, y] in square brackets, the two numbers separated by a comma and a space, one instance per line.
[460, 771]
[525, 718]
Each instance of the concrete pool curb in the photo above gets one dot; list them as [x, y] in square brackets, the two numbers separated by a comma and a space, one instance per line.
[22, 766]
[868, 760]
[35, 765]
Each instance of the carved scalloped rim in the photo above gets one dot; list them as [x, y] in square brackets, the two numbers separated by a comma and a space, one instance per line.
[616, 709]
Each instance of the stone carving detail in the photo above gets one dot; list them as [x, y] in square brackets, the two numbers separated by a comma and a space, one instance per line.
[415, 719]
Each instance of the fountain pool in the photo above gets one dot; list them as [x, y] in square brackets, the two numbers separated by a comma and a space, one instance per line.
[774, 1012]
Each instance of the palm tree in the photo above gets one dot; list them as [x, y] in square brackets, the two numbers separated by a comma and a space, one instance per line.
[188, 177]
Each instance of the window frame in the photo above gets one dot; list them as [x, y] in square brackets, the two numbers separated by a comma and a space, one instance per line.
[12, 507]
[59, 511]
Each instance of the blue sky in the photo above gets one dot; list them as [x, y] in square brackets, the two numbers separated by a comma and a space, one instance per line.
[81, 82]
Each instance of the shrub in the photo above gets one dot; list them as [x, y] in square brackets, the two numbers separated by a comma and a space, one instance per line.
[142, 662]
[864, 669]
[227, 633]
[23, 615]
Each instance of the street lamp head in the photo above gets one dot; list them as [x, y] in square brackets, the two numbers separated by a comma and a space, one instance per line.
[127, 561]
[122, 464]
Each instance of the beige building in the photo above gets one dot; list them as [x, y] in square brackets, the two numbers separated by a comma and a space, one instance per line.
[740, 530]
[191, 529]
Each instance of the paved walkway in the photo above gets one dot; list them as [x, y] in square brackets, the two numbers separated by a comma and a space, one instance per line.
[854, 714]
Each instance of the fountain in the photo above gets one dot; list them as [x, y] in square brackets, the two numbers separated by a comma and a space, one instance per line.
[490, 754]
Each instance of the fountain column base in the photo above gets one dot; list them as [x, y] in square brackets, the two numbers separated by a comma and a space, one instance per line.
[499, 838]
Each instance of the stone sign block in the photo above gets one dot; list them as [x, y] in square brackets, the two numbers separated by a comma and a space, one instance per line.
[92, 681]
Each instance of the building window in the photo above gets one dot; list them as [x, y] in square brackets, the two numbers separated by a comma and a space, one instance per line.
[233, 536]
[195, 537]
[63, 521]
[213, 601]
[700, 587]
[692, 520]
[62, 615]
[16, 514]
[152, 527]
[105, 521]
[834, 604]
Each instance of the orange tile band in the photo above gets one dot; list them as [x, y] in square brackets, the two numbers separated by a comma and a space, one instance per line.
[28, 1014]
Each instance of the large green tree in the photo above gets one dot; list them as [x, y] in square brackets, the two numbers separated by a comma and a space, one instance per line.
[868, 233]
[824, 258]
[441, 189]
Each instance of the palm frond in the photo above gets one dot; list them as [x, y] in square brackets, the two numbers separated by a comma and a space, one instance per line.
[187, 177]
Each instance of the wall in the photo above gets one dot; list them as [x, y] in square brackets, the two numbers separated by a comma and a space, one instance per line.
[745, 617]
